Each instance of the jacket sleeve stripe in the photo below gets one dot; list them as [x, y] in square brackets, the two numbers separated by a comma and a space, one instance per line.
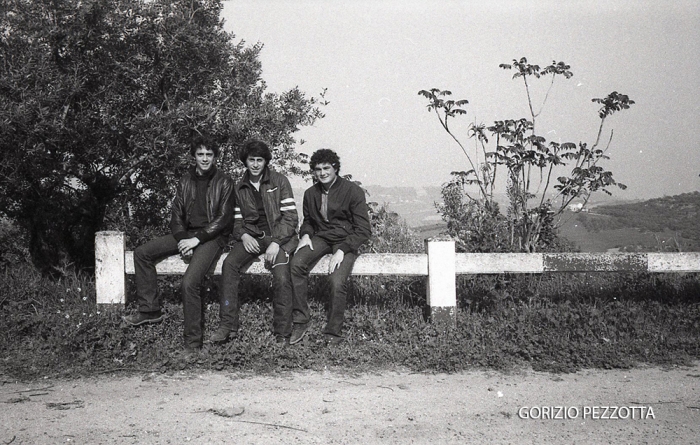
[287, 208]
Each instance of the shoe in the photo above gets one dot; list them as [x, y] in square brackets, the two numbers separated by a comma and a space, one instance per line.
[140, 318]
[189, 353]
[298, 332]
[222, 335]
[281, 340]
[332, 340]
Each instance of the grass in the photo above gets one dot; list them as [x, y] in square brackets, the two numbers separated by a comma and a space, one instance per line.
[558, 323]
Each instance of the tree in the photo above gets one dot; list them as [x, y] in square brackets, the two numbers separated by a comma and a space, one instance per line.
[100, 99]
[529, 162]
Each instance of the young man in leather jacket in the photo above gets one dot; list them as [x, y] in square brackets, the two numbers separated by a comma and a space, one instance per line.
[201, 221]
[336, 221]
[265, 222]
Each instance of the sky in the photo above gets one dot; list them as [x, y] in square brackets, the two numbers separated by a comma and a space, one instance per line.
[372, 58]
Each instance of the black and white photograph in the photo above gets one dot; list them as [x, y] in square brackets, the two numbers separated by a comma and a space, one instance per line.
[349, 222]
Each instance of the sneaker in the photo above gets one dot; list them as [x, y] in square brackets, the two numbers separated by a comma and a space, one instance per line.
[189, 354]
[222, 335]
[298, 332]
[332, 340]
[281, 340]
[140, 318]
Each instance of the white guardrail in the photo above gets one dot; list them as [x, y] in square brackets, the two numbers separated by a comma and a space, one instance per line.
[440, 264]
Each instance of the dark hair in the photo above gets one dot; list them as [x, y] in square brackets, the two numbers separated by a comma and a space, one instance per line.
[325, 155]
[199, 139]
[255, 148]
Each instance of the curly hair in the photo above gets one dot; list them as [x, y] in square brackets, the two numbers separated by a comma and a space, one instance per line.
[255, 148]
[325, 155]
[199, 140]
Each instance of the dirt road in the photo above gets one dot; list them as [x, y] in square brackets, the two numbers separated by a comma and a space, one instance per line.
[661, 406]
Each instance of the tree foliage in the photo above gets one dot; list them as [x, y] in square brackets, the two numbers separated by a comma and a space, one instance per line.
[514, 148]
[100, 100]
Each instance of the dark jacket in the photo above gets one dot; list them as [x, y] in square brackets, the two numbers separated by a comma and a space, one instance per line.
[348, 223]
[219, 207]
[279, 205]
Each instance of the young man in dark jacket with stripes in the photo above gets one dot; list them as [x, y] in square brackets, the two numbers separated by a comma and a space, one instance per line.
[202, 216]
[336, 221]
[265, 222]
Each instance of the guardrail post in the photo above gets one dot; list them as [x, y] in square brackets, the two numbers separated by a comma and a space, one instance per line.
[442, 280]
[110, 278]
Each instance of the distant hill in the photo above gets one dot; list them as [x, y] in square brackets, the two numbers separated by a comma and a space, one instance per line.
[666, 223]
[416, 205]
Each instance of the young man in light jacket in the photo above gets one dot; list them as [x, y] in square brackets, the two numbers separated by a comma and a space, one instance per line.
[265, 222]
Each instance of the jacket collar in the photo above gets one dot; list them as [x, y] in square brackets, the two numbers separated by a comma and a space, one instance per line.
[338, 181]
[264, 179]
[209, 174]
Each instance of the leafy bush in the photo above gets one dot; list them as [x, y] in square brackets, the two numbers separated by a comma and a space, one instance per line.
[100, 101]
[390, 234]
[537, 196]
[14, 245]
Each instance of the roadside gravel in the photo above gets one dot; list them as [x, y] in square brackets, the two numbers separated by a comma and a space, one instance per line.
[333, 408]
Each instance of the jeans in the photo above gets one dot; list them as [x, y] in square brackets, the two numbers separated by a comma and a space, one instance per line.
[203, 260]
[239, 259]
[302, 263]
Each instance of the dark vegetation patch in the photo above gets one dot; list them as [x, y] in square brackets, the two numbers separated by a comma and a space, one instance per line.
[558, 323]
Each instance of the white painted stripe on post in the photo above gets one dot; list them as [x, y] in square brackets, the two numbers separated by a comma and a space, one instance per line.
[674, 262]
[110, 281]
[442, 290]
[476, 263]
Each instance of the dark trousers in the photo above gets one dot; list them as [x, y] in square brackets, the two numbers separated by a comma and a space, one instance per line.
[203, 259]
[237, 260]
[302, 263]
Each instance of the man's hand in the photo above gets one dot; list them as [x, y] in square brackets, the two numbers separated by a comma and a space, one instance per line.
[186, 246]
[250, 244]
[305, 241]
[271, 253]
[336, 259]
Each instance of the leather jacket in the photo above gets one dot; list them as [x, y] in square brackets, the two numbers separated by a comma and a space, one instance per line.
[279, 205]
[219, 207]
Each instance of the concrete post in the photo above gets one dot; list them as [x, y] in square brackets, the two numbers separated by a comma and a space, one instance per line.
[442, 280]
[110, 278]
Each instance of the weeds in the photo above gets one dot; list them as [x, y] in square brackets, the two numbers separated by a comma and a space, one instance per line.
[558, 323]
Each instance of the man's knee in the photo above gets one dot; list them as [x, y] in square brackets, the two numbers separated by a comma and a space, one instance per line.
[231, 266]
[140, 253]
[281, 273]
[190, 284]
[298, 268]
